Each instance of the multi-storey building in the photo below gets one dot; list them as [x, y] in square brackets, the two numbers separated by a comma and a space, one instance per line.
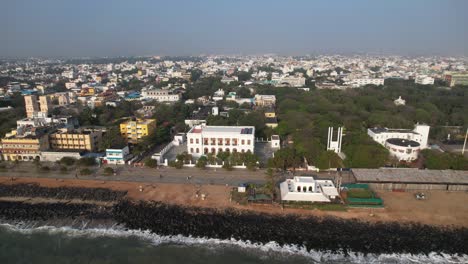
[365, 81]
[80, 139]
[31, 104]
[160, 95]
[24, 144]
[424, 80]
[457, 78]
[265, 100]
[37, 107]
[202, 140]
[133, 130]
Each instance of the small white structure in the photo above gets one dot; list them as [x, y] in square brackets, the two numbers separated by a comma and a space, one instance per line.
[179, 139]
[215, 111]
[304, 188]
[275, 142]
[334, 145]
[399, 101]
[403, 149]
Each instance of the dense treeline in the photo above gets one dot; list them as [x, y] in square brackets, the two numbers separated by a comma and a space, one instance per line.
[8, 118]
[305, 116]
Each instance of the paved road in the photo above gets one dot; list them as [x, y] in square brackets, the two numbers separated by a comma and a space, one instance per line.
[163, 175]
[138, 174]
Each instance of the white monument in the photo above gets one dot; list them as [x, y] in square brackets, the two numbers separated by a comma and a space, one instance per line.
[334, 145]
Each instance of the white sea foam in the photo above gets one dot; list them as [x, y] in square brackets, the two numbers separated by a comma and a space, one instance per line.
[316, 256]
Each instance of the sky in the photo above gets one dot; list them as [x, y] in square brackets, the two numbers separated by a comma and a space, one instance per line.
[81, 28]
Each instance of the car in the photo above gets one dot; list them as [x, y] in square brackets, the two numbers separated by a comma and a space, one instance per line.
[420, 196]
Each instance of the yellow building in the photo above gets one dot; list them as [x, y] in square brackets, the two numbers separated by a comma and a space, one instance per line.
[25, 148]
[133, 130]
[81, 140]
[270, 114]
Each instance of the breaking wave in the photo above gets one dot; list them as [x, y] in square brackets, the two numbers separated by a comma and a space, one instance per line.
[313, 255]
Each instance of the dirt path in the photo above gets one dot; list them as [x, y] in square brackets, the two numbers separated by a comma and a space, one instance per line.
[441, 208]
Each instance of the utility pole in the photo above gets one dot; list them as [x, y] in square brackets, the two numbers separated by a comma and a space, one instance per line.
[464, 144]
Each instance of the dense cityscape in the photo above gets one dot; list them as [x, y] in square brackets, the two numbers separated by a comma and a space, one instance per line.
[234, 132]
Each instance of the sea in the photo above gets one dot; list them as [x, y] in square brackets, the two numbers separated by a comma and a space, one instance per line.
[29, 243]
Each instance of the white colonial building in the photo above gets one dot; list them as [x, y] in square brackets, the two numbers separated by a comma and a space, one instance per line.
[404, 144]
[365, 81]
[160, 95]
[424, 80]
[305, 188]
[202, 140]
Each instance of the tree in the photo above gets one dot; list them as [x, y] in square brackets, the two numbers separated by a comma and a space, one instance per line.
[286, 158]
[201, 162]
[151, 163]
[85, 171]
[67, 161]
[87, 161]
[270, 182]
[112, 139]
[108, 171]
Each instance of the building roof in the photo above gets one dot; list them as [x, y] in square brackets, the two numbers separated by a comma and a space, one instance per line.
[378, 130]
[403, 142]
[405, 175]
[244, 130]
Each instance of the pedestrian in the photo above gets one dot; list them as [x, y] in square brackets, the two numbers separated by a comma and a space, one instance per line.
[160, 176]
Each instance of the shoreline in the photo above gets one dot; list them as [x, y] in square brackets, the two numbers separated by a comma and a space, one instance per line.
[441, 209]
[311, 232]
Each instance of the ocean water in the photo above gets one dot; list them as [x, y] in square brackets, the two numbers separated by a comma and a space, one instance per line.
[23, 243]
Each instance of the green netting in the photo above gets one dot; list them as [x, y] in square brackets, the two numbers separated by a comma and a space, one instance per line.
[372, 201]
[356, 185]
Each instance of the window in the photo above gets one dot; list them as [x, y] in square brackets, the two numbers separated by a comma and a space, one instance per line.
[243, 142]
[198, 150]
[299, 188]
[197, 141]
[248, 142]
[191, 150]
[304, 189]
[205, 151]
[191, 141]
[310, 188]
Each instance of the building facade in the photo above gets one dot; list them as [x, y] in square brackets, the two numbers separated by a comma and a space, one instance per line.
[160, 95]
[24, 147]
[202, 140]
[80, 140]
[424, 80]
[133, 130]
[404, 144]
[117, 156]
[307, 189]
[265, 100]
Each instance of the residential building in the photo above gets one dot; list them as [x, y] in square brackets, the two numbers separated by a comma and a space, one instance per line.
[365, 81]
[31, 104]
[457, 78]
[265, 100]
[133, 130]
[160, 95]
[202, 140]
[424, 80]
[80, 139]
[117, 156]
[307, 189]
[24, 144]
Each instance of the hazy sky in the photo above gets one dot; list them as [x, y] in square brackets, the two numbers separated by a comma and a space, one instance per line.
[121, 28]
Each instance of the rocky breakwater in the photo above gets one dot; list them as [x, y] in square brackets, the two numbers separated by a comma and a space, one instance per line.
[338, 235]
